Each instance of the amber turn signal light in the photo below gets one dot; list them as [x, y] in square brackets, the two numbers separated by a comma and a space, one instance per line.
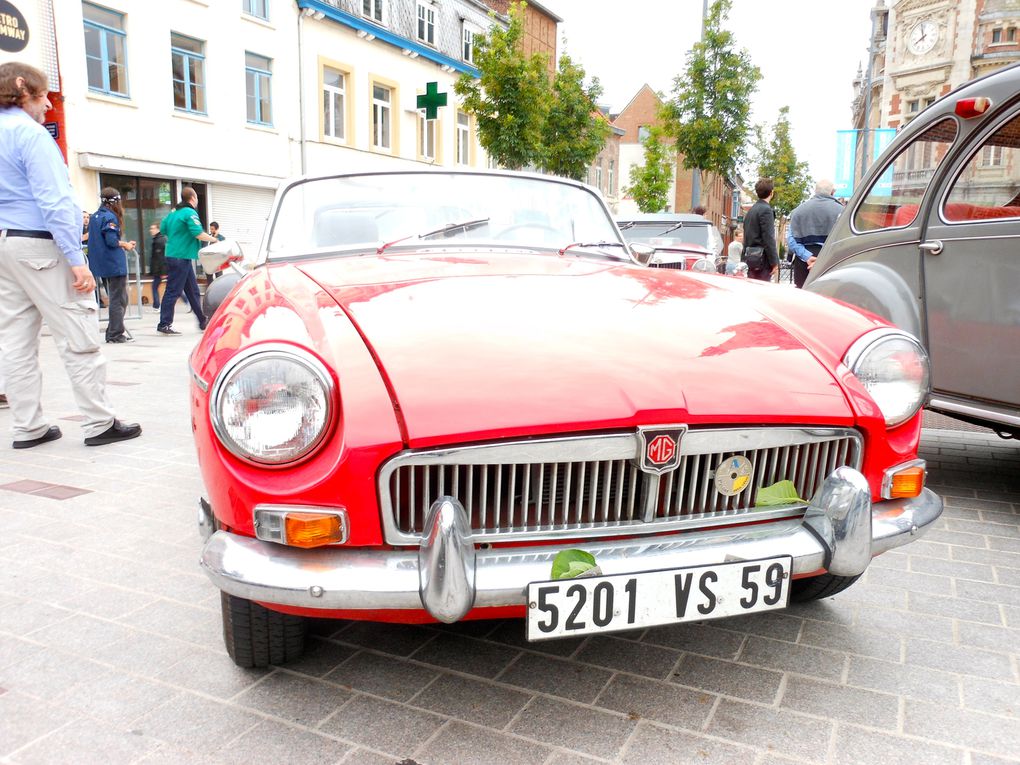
[313, 529]
[301, 526]
[904, 481]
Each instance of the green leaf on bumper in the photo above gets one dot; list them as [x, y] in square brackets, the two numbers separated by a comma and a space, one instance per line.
[570, 563]
[780, 493]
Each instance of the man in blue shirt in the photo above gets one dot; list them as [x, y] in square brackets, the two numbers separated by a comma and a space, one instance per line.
[43, 274]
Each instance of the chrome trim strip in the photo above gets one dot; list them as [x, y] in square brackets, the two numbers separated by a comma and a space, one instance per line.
[609, 447]
[360, 579]
[198, 380]
[974, 411]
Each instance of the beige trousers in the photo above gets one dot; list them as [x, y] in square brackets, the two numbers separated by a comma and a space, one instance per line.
[35, 286]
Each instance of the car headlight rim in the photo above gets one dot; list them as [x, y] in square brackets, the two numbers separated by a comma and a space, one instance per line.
[874, 342]
[250, 357]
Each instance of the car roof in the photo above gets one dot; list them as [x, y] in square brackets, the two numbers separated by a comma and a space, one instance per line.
[664, 217]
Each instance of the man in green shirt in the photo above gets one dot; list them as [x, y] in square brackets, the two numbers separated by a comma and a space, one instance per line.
[183, 231]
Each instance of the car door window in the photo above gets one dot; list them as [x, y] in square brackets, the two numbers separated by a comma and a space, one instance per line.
[989, 186]
[895, 196]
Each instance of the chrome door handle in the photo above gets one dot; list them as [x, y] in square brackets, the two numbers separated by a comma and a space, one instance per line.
[934, 246]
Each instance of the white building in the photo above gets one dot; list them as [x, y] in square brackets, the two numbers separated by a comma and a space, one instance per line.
[231, 96]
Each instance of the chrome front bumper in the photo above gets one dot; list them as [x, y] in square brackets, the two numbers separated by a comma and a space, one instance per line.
[447, 576]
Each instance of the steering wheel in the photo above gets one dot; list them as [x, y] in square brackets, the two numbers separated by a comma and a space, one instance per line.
[517, 226]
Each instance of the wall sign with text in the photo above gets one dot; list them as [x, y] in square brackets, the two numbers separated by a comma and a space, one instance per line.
[13, 28]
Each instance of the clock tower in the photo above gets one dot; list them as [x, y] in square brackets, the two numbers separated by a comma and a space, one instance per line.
[922, 49]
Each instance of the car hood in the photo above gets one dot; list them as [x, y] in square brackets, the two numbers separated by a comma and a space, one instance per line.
[476, 347]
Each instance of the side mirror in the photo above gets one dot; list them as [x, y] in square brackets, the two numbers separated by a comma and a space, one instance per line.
[217, 256]
[642, 253]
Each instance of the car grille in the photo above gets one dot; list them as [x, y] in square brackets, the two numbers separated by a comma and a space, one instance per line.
[593, 485]
[675, 264]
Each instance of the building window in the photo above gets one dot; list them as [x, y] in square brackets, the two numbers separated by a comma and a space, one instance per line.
[991, 155]
[913, 106]
[257, 8]
[105, 50]
[187, 62]
[612, 177]
[374, 9]
[1011, 34]
[463, 138]
[598, 176]
[469, 44]
[426, 23]
[382, 99]
[427, 138]
[257, 80]
[642, 133]
[334, 99]
[996, 35]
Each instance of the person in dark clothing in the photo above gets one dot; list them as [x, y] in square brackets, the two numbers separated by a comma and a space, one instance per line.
[157, 262]
[108, 261]
[760, 252]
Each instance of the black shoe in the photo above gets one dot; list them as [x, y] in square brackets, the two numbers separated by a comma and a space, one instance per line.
[119, 431]
[167, 330]
[119, 339]
[50, 435]
[202, 326]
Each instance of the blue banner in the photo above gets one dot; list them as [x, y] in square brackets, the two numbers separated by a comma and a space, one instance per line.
[846, 154]
[880, 139]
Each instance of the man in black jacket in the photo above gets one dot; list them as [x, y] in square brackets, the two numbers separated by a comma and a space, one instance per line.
[760, 252]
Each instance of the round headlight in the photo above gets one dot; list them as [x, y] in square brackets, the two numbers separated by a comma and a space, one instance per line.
[271, 406]
[894, 369]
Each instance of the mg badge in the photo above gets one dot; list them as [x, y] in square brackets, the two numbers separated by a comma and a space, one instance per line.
[733, 475]
[660, 448]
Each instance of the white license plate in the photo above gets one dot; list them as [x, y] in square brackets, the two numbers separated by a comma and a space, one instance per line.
[650, 598]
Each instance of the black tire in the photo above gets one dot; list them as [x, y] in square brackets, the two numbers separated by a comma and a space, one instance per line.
[818, 587]
[258, 637]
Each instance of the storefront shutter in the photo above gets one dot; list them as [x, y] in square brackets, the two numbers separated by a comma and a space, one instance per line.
[242, 212]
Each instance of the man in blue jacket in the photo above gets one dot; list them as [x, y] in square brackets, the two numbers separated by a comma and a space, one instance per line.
[108, 261]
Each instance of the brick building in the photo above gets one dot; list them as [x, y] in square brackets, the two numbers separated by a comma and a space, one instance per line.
[635, 120]
[540, 29]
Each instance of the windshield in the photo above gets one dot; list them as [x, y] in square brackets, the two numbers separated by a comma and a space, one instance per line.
[352, 214]
[663, 234]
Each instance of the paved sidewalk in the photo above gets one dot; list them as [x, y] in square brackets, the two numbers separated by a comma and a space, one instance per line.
[110, 646]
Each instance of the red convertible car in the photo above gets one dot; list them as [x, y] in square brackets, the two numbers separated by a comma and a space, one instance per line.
[438, 394]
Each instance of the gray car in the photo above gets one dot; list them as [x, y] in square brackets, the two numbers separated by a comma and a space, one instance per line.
[931, 241]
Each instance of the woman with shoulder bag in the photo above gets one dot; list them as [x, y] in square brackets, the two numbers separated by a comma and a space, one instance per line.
[760, 252]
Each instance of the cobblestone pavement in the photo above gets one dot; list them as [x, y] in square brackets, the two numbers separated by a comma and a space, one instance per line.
[110, 647]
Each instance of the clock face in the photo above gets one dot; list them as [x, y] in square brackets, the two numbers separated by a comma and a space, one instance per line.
[922, 38]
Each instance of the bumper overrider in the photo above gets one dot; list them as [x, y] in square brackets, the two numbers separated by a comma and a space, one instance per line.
[840, 532]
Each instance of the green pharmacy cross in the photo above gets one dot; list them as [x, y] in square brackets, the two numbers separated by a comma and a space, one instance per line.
[432, 100]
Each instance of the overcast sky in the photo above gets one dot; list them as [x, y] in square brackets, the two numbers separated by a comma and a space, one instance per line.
[808, 52]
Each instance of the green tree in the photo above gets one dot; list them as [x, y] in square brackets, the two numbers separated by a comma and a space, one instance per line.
[777, 160]
[649, 183]
[708, 113]
[575, 131]
[510, 98]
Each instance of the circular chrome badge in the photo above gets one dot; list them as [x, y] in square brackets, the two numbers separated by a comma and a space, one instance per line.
[733, 475]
